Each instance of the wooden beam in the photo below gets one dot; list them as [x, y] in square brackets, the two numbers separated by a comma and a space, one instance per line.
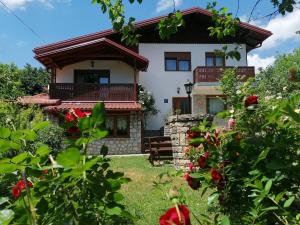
[134, 85]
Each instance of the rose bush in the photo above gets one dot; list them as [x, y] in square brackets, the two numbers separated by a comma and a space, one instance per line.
[72, 188]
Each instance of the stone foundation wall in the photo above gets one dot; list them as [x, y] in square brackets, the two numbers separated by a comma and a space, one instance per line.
[178, 126]
[121, 146]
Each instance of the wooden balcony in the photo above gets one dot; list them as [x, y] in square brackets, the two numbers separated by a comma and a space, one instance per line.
[213, 74]
[91, 92]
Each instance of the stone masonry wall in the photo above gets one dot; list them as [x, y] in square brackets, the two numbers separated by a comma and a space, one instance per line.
[178, 126]
[121, 146]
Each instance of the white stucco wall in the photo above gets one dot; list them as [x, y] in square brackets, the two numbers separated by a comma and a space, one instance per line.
[120, 72]
[163, 84]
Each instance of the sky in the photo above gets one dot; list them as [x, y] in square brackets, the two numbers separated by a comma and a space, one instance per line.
[55, 20]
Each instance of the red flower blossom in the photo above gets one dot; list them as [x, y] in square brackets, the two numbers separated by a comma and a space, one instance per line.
[171, 216]
[79, 113]
[202, 160]
[19, 186]
[193, 134]
[193, 183]
[191, 166]
[73, 129]
[216, 176]
[69, 117]
[251, 100]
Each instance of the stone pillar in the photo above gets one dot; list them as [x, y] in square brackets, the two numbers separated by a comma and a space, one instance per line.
[178, 126]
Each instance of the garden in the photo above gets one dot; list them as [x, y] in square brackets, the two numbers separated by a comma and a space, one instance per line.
[244, 173]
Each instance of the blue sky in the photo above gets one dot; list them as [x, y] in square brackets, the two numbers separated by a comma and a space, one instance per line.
[56, 20]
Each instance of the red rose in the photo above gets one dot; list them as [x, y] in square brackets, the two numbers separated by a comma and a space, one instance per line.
[171, 216]
[216, 176]
[69, 117]
[192, 134]
[202, 160]
[79, 113]
[251, 100]
[73, 129]
[193, 183]
[17, 189]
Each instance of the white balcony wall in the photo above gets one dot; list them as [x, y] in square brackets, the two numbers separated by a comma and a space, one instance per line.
[120, 72]
[163, 84]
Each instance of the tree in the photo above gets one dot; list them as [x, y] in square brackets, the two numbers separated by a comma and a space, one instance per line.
[16, 82]
[10, 84]
[33, 79]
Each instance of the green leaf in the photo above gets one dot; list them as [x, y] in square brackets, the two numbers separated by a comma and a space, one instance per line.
[268, 186]
[288, 202]
[6, 216]
[118, 197]
[41, 125]
[69, 158]
[4, 132]
[225, 221]
[114, 211]
[6, 167]
[20, 158]
[43, 150]
[212, 198]
[3, 200]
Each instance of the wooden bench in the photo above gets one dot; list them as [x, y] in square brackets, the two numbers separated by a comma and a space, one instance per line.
[160, 148]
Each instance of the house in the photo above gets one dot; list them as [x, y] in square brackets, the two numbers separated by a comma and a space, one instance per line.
[99, 67]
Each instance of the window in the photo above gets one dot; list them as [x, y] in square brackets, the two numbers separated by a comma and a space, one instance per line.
[92, 76]
[180, 105]
[212, 59]
[177, 61]
[117, 126]
[215, 105]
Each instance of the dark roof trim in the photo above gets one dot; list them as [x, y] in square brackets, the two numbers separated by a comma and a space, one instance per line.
[107, 41]
[140, 24]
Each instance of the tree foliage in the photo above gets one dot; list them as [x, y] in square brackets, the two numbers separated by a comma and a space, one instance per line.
[16, 82]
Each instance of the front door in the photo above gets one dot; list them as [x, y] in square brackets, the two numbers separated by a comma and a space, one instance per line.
[180, 105]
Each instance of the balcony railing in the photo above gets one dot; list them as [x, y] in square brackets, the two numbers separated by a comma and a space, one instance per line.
[91, 92]
[213, 74]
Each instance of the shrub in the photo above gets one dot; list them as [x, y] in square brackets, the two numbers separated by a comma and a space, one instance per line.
[71, 188]
[52, 136]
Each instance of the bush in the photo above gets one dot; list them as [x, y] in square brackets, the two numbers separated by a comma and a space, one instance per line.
[19, 117]
[71, 188]
[52, 136]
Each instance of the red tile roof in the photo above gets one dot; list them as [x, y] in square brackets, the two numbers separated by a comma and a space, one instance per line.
[58, 105]
[109, 106]
[40, 99]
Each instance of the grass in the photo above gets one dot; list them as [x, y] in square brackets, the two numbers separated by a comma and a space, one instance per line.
[145, 202]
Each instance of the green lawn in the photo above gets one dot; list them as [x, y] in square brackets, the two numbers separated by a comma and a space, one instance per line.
[144, 201]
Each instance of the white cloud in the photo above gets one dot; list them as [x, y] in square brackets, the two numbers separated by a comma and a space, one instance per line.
[21, 4]
[259, 62]
[283, 28]
[163, 5]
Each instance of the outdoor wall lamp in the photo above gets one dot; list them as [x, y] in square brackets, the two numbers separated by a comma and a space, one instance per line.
[92, 64]
[178, 90]
[189, 88]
